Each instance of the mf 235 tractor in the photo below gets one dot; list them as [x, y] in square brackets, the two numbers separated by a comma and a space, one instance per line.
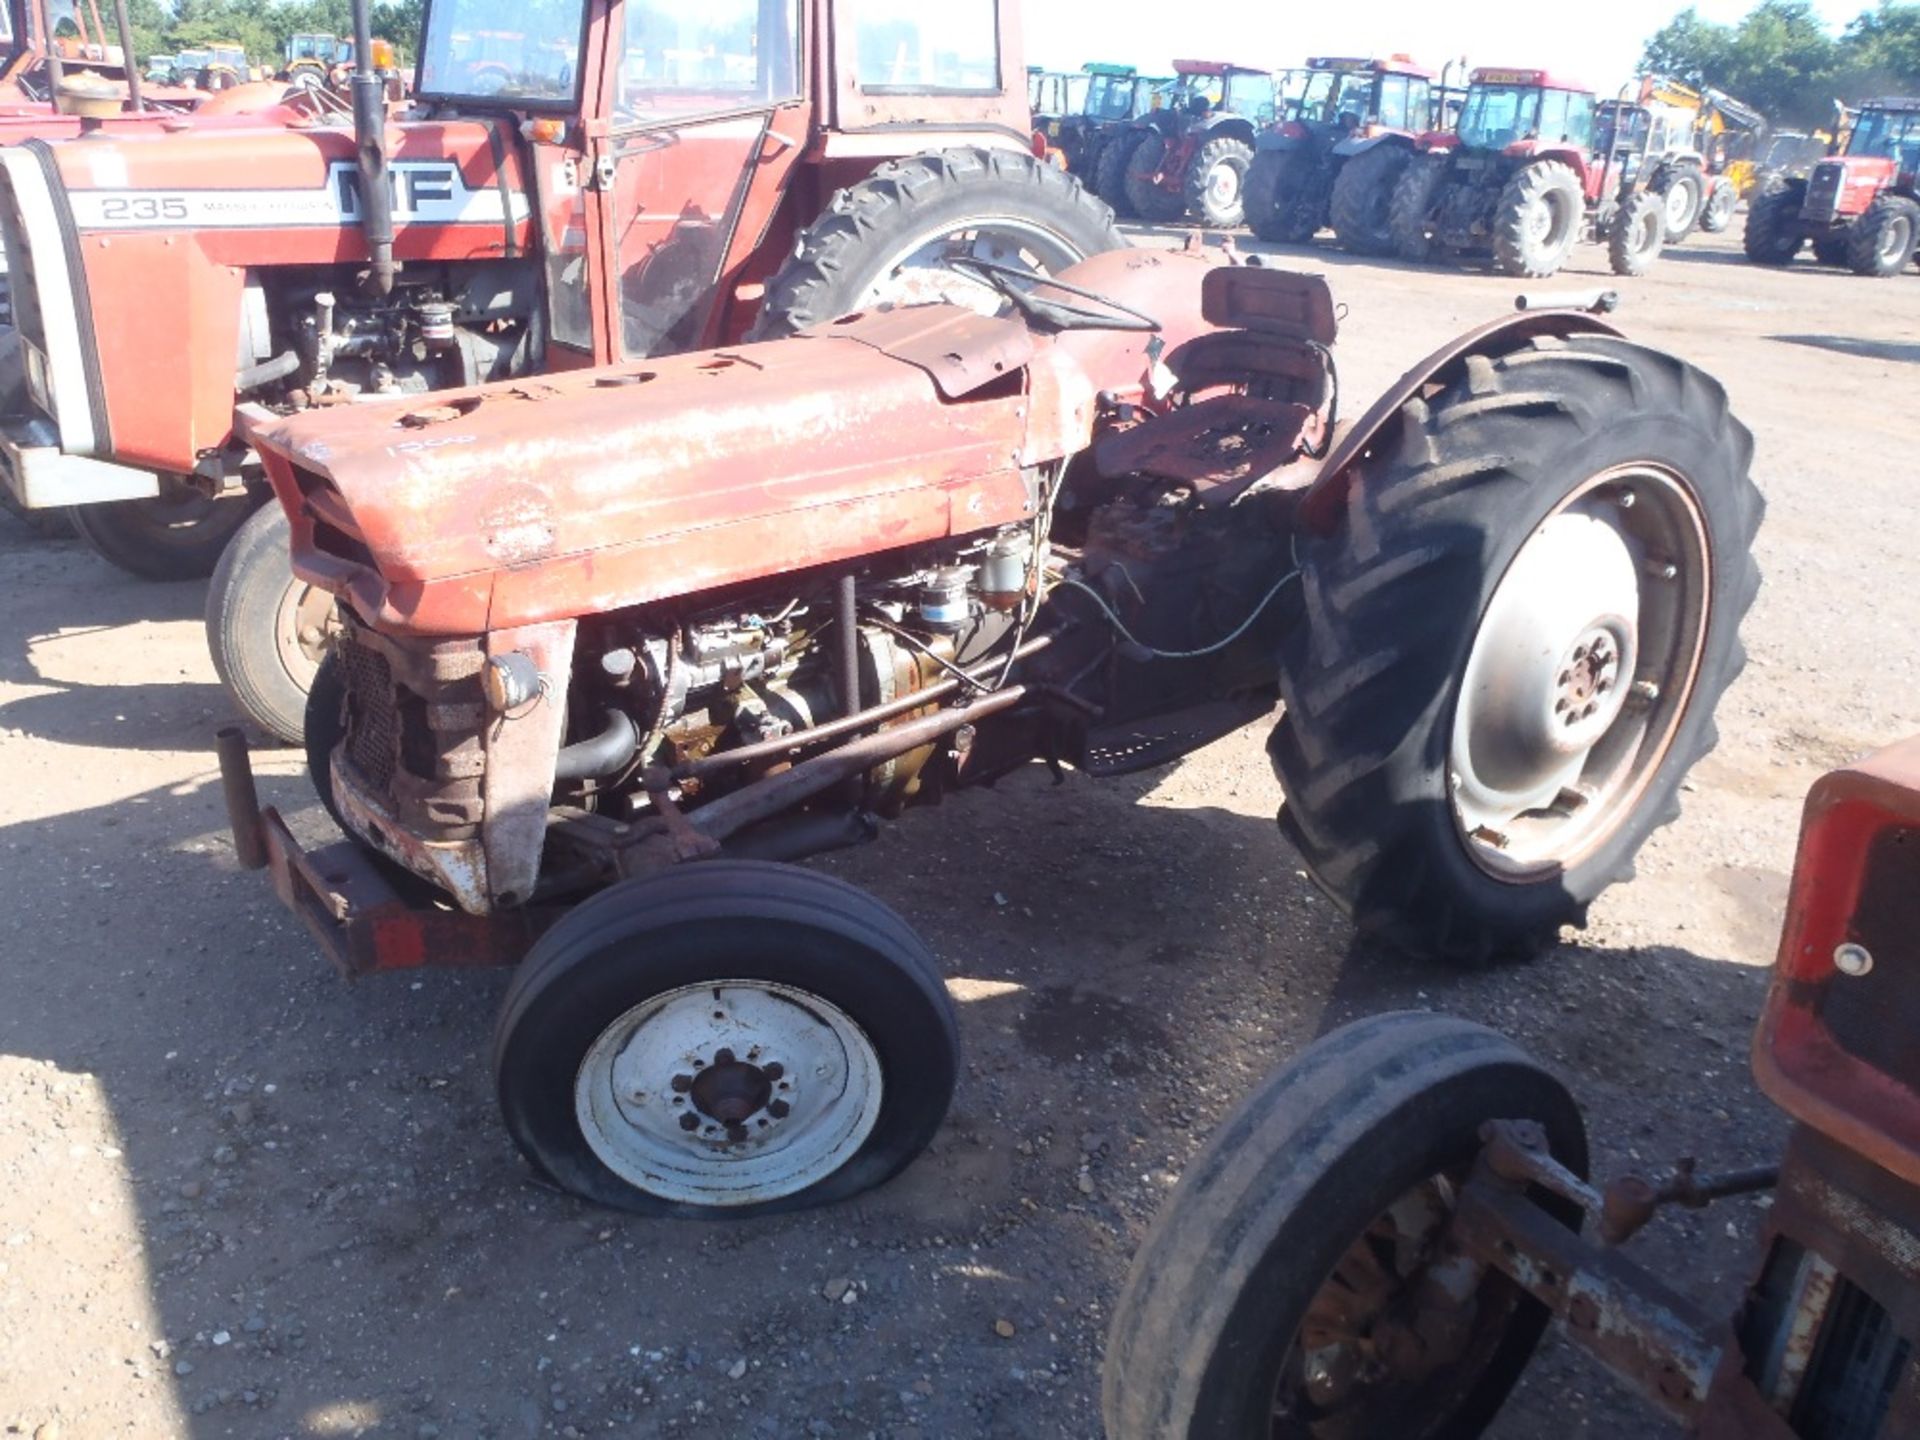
[1190, 155]
[562, 195]
[1349, 115]
[1374, 1242]
[1529, 170]
[616, 643]
[1860, 208]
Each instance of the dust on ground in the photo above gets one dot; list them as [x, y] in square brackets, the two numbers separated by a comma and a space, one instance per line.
[239, 1197]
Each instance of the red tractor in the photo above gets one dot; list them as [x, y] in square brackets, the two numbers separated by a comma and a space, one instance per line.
[1335, 157]
[1190, 156]
[1525, 174]
[1374, 1242]
[562, 196]
[617, 643]
[1861, 208]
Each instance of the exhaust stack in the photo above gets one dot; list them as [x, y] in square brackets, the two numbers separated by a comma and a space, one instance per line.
[370, 146]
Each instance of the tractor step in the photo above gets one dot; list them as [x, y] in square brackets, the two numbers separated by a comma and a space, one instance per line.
[1127, 749]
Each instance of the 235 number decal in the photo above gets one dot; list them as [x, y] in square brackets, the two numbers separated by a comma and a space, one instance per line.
[143, 207]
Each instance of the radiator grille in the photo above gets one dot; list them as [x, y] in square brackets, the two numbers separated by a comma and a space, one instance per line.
[1856, 1366]
[1823, 191]
[373, 719]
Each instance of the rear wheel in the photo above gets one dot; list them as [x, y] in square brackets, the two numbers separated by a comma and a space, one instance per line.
[1684, 196]
[885, 240]
[1881, 242]
[1151, 200]
[177, 535]
[267, 629]
[1110, 178]
[1362, 199]
[1516, 644]
[1410, 213]
[1283, 203]
[1723, 198]
[1216, 181]
[1773, 234]
[1292, 1288]
[1537, 220]
[1635, 236]
[728, 1037]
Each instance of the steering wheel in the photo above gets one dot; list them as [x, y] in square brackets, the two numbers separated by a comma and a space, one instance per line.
[1013, 282]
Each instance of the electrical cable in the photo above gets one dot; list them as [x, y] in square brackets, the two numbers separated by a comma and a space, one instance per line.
[1158, 654]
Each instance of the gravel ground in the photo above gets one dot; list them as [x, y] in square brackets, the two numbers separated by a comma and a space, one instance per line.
[239, 1197]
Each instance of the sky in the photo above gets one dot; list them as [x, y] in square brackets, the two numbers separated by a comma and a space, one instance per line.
[1595, 43]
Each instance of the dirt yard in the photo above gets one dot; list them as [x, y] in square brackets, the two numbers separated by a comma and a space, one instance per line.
[239, 1197]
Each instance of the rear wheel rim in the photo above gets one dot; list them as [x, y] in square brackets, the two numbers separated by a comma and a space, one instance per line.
[728, 1092]
[917, 273]
[1223, 185]
[1894, 236]
[1580, 672]
[1679, 206]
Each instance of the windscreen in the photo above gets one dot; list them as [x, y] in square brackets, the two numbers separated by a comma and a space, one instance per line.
[1888, 135]
[1110, 97]
[1495, 116]
[511, 51]
[907, 47]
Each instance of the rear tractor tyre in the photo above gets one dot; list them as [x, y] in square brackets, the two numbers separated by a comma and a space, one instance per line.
[1882, 241]
[1362, 200]
[1411, 210]
[1636, 234]
[1516, 644]
[725, 1038]
[885, 240]
[1684, 197]
[1110, 173]
[1272, 1288]
[1150, 199]
[1216, 182]
[1537, 220]
[179, 534]
[1282, 203]
[267, 629]
[1773, 234]
[1723, 199]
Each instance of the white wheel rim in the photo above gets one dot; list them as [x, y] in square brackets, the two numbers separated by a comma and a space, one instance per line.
[1568, 701]
[1679, 202]
[732, 1092]
[917, 272]
[1223, 185]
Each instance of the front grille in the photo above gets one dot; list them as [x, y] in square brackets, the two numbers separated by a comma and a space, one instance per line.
[373, 719]
[1856, 1367]
[1823, 191]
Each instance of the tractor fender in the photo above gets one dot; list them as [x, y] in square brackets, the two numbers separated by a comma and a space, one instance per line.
[1324, 502]
[1359, 144]
[1235, 126]
[1283, 138]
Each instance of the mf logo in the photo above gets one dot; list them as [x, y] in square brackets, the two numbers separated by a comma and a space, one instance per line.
[421, 190]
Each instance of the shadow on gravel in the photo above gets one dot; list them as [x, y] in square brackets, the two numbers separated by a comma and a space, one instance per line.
[1901, 352]
[320, 1177]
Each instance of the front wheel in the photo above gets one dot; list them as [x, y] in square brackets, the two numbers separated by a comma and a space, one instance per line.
[1774, 234]
[1293, 1288]
[267, 629]
[887, 239]
[1634, 237]
[1723, 198]
[1517, 642]
[725, 1038]
[179, 534]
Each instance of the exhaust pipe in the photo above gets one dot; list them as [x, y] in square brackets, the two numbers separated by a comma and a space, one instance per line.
[370, 147]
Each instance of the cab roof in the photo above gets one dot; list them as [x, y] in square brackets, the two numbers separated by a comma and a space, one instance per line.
[1392, 65]
[1100, 67]
[1215, 67]
[1904, 104]
[1541, 79]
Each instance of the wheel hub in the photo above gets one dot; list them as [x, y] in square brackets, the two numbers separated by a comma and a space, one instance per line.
[1223, 185]
[730, 1091]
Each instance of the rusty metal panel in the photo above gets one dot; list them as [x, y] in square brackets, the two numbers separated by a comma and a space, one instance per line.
[962, 351]
[521, 750]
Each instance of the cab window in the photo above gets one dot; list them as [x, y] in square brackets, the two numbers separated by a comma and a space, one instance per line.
[1393, 102]
[907, 47]
[1578, 127]
[707, 56]
[1553, 116]
[1419, 104]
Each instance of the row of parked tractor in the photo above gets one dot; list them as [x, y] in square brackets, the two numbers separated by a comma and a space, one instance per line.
[1513, 166]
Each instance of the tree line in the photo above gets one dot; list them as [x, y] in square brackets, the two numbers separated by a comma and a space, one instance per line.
[1781, 58]
[262, 26]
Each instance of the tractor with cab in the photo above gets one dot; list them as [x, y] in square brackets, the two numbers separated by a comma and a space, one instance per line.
[1375, 1241]
[1361, 115]
[1190, 155]
[565, 195]
[617, 646]
[1533, 166]
[1116, 96]
[1859, 209]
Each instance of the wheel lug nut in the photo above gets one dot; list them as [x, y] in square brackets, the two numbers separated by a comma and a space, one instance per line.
[689, 1121]
[736, 1132]
[682, 1083]
[723, 1057]
[773, 1070]
[779, 1109]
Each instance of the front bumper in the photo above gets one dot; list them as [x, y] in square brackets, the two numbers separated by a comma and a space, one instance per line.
[349, 904]
[40, 475]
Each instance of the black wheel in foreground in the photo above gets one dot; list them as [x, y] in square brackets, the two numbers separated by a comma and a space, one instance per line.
[1292, 1252]
[1360, 208]
[1773, 235]
[1515, 643]
[885, 239]
[725, 1038]
[266, 628]
[177, 535]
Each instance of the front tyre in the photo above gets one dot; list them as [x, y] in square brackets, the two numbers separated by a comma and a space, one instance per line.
[1279, 1292]
[179, 534]
[725, 1038]
[1723, 199]
[1516, 643]
[1774, 235]
[267, 629]
[1635, 235]
[885, 240]
[1537, 219]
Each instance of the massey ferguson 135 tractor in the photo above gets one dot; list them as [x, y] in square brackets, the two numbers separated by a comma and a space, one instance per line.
[1525, 175]
[616, 643]
[1358, 115]
[1373, 1243]
[563, 194]
[1191, 155]
[1861, 208]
